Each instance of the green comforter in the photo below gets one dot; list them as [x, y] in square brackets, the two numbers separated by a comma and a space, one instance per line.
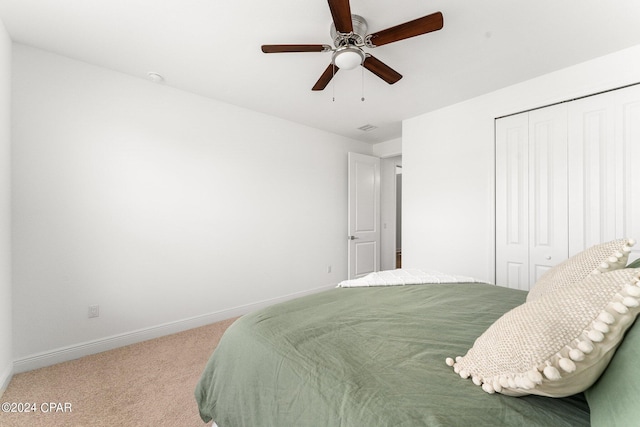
[354, 357]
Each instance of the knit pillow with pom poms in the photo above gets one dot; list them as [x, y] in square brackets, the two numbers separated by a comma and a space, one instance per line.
[597, 259]
[558, 344]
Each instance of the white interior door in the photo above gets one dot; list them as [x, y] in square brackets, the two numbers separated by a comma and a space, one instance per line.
[364, 215]
[628, 135]
[594, 182]
[531, 195]
[604, 179]
[512, 201]
[548, 205]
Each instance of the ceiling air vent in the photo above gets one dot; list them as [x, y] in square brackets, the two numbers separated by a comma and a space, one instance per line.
[367, 128]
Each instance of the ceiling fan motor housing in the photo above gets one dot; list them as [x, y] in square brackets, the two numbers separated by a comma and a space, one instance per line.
[356, 38]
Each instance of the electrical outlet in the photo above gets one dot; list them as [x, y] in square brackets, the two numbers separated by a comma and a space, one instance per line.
[94, 311]
[328, 269]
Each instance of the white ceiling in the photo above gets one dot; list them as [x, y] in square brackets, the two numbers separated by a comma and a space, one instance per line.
[212, 48]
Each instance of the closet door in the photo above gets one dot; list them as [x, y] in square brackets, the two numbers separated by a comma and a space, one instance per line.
[595, 176]
[604, 177]
[570, 176]
[512, 201]
[548, 206]
[531, 195]
[628, 137]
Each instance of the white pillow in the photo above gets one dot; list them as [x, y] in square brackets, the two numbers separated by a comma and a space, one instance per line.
[559, 344]
[600, 258]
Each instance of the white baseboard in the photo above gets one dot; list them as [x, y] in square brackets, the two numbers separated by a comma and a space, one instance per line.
[76, 351]
[5, 379]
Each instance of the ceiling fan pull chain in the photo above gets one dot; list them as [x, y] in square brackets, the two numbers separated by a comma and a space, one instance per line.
[333, 82]
[362, 99]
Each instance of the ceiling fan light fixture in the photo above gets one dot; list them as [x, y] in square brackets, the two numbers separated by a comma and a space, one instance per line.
[348, 57]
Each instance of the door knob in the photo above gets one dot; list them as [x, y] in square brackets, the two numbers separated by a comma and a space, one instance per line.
[353, 237]
[548, 257]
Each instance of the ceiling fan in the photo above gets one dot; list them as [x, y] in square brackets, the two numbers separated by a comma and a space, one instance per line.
[349, 34]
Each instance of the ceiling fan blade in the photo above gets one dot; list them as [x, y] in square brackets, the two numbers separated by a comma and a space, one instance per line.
[381, 70]
[326, 77]
[417, 27]
[341, 13]
[284, 48]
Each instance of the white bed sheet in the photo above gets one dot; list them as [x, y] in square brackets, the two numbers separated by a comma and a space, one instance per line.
[400, 277]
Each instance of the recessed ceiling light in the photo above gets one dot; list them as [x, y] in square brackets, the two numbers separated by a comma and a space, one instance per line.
[155, 77]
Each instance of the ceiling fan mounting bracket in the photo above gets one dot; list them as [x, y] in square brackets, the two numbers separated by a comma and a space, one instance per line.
[354, 38]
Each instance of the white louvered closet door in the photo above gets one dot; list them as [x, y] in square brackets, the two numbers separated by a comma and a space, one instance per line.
[531, 195]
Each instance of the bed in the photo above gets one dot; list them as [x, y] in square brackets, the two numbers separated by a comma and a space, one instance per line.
[381, 356]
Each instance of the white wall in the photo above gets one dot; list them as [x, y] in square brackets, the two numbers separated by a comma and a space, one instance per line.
[6, 356]
[159, 206]
[448, 164]
[391, 148]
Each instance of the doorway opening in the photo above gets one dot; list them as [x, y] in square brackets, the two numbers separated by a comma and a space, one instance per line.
[398, 216]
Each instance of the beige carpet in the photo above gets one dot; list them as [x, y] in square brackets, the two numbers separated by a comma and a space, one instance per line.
[145, 384]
